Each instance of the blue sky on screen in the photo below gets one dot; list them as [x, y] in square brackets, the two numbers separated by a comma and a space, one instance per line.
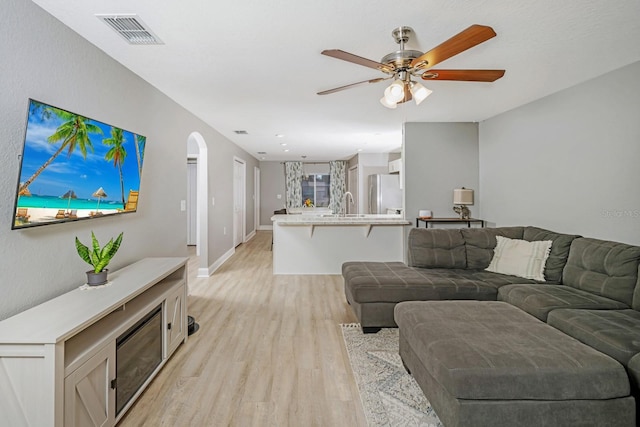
[84, 176]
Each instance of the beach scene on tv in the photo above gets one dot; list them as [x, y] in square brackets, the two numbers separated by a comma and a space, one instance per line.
[74, 167]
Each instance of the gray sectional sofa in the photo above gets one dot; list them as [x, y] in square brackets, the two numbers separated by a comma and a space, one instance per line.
[494, 349]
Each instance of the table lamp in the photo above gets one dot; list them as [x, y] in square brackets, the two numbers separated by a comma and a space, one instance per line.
[461, 198]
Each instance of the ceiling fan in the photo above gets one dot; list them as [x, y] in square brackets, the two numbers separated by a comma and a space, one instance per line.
[403, 64]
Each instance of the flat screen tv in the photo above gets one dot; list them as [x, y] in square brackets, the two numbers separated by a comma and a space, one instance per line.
[74, 168]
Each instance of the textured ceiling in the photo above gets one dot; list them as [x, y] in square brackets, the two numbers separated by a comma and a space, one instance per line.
[256, 65]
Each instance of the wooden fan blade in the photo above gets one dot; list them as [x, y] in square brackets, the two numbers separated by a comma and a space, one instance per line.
[350, 57]
[338, 89]
[464, 75]
[466, 39]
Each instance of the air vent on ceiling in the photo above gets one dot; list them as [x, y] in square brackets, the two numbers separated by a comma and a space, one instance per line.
[262, 152]
[241, 132]
[131, 28]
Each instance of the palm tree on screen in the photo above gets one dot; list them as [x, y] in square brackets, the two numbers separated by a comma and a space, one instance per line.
[74, 134]
[140, 142]
[116, 153]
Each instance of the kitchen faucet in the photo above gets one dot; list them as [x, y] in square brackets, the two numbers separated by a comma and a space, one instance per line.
[343, 209]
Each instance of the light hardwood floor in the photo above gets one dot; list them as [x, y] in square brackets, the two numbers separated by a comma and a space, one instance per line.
[269, 352]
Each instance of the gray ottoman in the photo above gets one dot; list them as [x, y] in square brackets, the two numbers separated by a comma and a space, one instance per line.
[491, 364]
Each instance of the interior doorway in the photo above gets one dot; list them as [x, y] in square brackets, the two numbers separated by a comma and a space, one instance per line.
[197, 150]
[192, 198]
[239, 205]
[256, 198]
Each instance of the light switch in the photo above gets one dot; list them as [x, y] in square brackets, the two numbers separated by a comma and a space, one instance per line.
[279, 196]
[183, 205]
[213, 201]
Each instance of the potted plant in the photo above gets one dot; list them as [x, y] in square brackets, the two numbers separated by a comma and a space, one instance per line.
[98, 258]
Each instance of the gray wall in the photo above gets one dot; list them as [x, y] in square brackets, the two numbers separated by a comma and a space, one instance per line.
[439, 157]
[44, 60]
[568, 162]
[271, 184]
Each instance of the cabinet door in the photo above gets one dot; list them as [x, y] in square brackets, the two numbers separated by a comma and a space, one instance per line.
[176, 319]
[89, 399]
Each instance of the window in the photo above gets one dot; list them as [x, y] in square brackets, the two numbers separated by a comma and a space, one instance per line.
[315, 188]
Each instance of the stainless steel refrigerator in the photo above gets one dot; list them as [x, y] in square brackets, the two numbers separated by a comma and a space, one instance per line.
[384, 193]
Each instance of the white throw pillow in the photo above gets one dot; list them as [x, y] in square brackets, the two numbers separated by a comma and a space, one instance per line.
[520, 258]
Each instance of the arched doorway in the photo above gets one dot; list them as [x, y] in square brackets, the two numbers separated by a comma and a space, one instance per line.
[197, 149]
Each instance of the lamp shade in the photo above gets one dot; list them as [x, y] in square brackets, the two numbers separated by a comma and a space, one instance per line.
[419, 92]
[386, 103]
[395, 91]
[462, 196]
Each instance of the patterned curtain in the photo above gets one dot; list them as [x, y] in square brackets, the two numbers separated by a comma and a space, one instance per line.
[337, 186]
[293, 179]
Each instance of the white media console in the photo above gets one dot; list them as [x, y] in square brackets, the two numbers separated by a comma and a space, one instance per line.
[58, 359]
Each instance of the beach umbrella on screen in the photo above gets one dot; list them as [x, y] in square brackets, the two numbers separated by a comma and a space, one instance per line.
[69, 195]
[24, 192]
[99, 194]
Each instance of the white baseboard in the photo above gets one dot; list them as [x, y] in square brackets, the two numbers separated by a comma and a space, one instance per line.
[206, 272]
[265, 228]
[249, 236]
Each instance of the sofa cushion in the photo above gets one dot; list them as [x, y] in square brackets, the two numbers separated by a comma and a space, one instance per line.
[604, 268]
[636, 299]
[634, 371]
[520, 258]
[436, 248]
[492, 350]
[481, 241]
[559, 250]
[614, 332]
[369, 282]
[538, 300]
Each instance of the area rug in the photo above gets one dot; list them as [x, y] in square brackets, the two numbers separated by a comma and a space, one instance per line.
[390, 396]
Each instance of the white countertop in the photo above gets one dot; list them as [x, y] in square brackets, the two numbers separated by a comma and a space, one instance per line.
[349, 219]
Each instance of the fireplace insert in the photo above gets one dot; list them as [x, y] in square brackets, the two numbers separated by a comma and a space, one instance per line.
[138, 354]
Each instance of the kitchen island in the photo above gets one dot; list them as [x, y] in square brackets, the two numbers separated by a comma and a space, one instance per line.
[319, 244]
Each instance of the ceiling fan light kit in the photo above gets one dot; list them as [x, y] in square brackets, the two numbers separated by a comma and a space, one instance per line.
[419, 92]
[403, 64]
[388, 104]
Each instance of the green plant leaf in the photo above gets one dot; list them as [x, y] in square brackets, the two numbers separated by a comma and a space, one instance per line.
[83, 251]
[106, 249]
[116, 246]
[96, 245]
[108, 252]
[95, 258]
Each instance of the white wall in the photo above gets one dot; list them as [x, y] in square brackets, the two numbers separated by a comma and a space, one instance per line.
[569, 162]
[272, 183]
[439, 157]
[44, 60]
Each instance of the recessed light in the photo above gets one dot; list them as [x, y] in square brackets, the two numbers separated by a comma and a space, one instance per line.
[359, 150]
[262, 158]
[284, 144]
[279, 135]
[286, 150]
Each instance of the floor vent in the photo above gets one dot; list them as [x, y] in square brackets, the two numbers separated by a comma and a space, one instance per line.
[131, 28]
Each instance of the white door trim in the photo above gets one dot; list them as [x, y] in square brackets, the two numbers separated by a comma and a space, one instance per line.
[242, 202]
[256, 198]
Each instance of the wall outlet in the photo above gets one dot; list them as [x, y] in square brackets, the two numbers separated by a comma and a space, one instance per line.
[213, 201]
[183, 205]
[279, 196]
